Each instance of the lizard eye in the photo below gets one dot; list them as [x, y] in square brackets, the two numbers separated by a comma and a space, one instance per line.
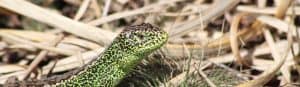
[140, 36]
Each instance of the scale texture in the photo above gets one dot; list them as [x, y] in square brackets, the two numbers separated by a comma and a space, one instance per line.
[132, 45]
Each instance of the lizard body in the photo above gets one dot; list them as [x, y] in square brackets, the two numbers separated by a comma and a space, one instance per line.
[128, 49]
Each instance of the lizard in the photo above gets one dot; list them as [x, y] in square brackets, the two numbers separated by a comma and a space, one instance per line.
[132, 45]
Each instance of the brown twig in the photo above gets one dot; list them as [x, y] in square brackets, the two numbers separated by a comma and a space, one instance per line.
[80, 29]
[40, 57]
[119, 15]
[234, 40]
[38, 45]
[267, 75]
[219, 8]
[83, 7]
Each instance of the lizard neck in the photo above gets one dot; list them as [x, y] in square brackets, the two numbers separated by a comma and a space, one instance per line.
[107, 69]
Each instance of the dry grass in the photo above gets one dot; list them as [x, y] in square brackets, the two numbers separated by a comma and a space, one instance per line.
[212, 44]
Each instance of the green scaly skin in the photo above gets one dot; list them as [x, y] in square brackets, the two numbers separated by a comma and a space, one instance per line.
[128, 49]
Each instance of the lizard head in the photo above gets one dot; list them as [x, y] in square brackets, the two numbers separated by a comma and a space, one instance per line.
[141, 39]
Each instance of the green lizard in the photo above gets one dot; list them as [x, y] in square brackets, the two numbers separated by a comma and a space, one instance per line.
[129, 48]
